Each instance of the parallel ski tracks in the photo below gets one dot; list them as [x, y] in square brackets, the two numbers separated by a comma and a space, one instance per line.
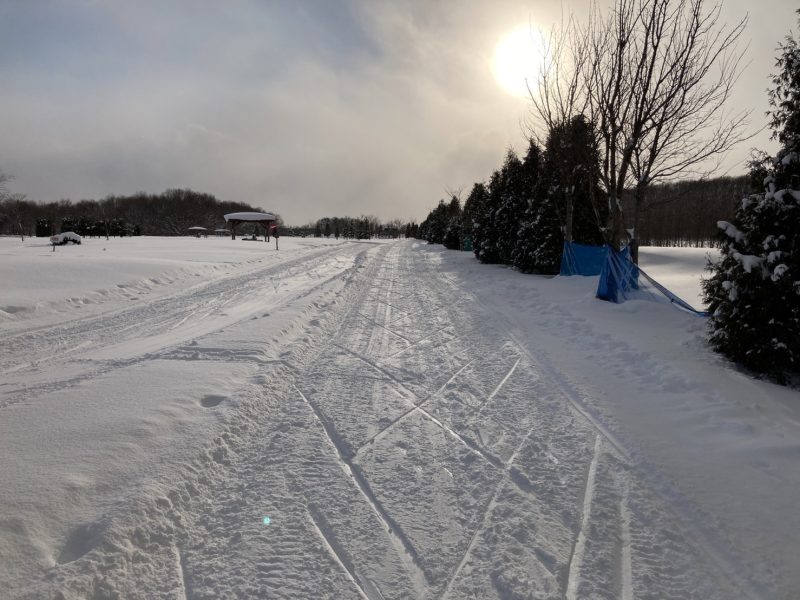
[36, 344]
[701, 537]
[133, 322]
[393, 289]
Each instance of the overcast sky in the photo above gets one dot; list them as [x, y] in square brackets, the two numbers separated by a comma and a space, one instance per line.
[307, 108]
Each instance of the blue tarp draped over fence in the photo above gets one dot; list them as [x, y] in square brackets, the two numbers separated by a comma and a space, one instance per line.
[580, 259]
[619, 275]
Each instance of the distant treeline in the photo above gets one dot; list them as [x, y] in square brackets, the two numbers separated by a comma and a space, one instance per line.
[686, 213]
[358, 228]
[169, 213]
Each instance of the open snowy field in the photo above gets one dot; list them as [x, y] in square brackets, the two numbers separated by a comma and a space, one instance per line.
[206, 418]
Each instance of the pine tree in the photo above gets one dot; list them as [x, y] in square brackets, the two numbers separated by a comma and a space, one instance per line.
[754, 291]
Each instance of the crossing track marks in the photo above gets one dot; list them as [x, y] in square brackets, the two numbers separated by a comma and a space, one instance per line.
[408, 446]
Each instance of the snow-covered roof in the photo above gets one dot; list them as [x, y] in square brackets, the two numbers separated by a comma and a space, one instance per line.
[197, 228]
[249, 216]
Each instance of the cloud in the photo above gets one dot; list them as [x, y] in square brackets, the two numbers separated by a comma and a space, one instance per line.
[308, 109]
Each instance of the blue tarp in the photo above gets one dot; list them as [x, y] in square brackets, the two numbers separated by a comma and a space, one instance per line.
[619, 275]
[580, 259]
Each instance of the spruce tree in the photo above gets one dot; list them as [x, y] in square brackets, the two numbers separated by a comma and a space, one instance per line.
[754, 291]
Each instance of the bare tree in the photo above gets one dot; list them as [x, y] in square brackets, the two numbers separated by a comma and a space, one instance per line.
[653, 77]
[19, 210]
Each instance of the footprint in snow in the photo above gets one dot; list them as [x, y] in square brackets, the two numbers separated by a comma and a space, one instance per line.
[211, 400]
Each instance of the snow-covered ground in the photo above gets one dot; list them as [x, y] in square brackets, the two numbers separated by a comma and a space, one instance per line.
[208, 418]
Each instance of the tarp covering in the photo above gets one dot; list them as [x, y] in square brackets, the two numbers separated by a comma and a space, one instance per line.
[620, 280]
[619, 275]
[581, 259]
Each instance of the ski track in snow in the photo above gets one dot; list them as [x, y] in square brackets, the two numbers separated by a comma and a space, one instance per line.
[576, 561]
[404, 442]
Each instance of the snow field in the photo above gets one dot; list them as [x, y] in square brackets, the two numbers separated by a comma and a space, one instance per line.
[414, 424]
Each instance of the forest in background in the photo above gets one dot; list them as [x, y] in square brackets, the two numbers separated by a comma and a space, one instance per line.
[172, 212]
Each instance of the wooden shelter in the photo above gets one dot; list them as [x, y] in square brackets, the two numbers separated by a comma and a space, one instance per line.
[266, 220]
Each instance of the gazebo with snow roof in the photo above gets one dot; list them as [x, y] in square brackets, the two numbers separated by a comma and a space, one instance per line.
[266, 220]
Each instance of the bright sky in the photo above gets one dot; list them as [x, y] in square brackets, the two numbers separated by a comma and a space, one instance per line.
[315, 108]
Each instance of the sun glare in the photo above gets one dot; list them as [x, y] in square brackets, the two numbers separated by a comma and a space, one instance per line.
[517, 60]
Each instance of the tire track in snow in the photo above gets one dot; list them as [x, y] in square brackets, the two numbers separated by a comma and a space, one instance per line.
[576, 560]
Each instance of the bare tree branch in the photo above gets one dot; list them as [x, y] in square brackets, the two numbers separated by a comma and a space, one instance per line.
[654, 77]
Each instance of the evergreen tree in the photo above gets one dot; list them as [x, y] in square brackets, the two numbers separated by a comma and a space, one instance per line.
[485, 236]
[513, 205]
[435, 225]
[754, 291]
[453, 230]
[527, 241]
[498, 219]
[573, 159]
[472, 209]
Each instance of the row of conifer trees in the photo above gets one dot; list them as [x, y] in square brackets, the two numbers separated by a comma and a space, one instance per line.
[753, 293]
[520, 216]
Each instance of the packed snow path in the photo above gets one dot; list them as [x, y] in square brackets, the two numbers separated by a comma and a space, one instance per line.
[397, 441]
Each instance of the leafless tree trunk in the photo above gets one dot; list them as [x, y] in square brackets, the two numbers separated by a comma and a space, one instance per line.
[653, 76]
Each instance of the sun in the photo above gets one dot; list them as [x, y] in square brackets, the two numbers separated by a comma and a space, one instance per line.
[518, 59]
